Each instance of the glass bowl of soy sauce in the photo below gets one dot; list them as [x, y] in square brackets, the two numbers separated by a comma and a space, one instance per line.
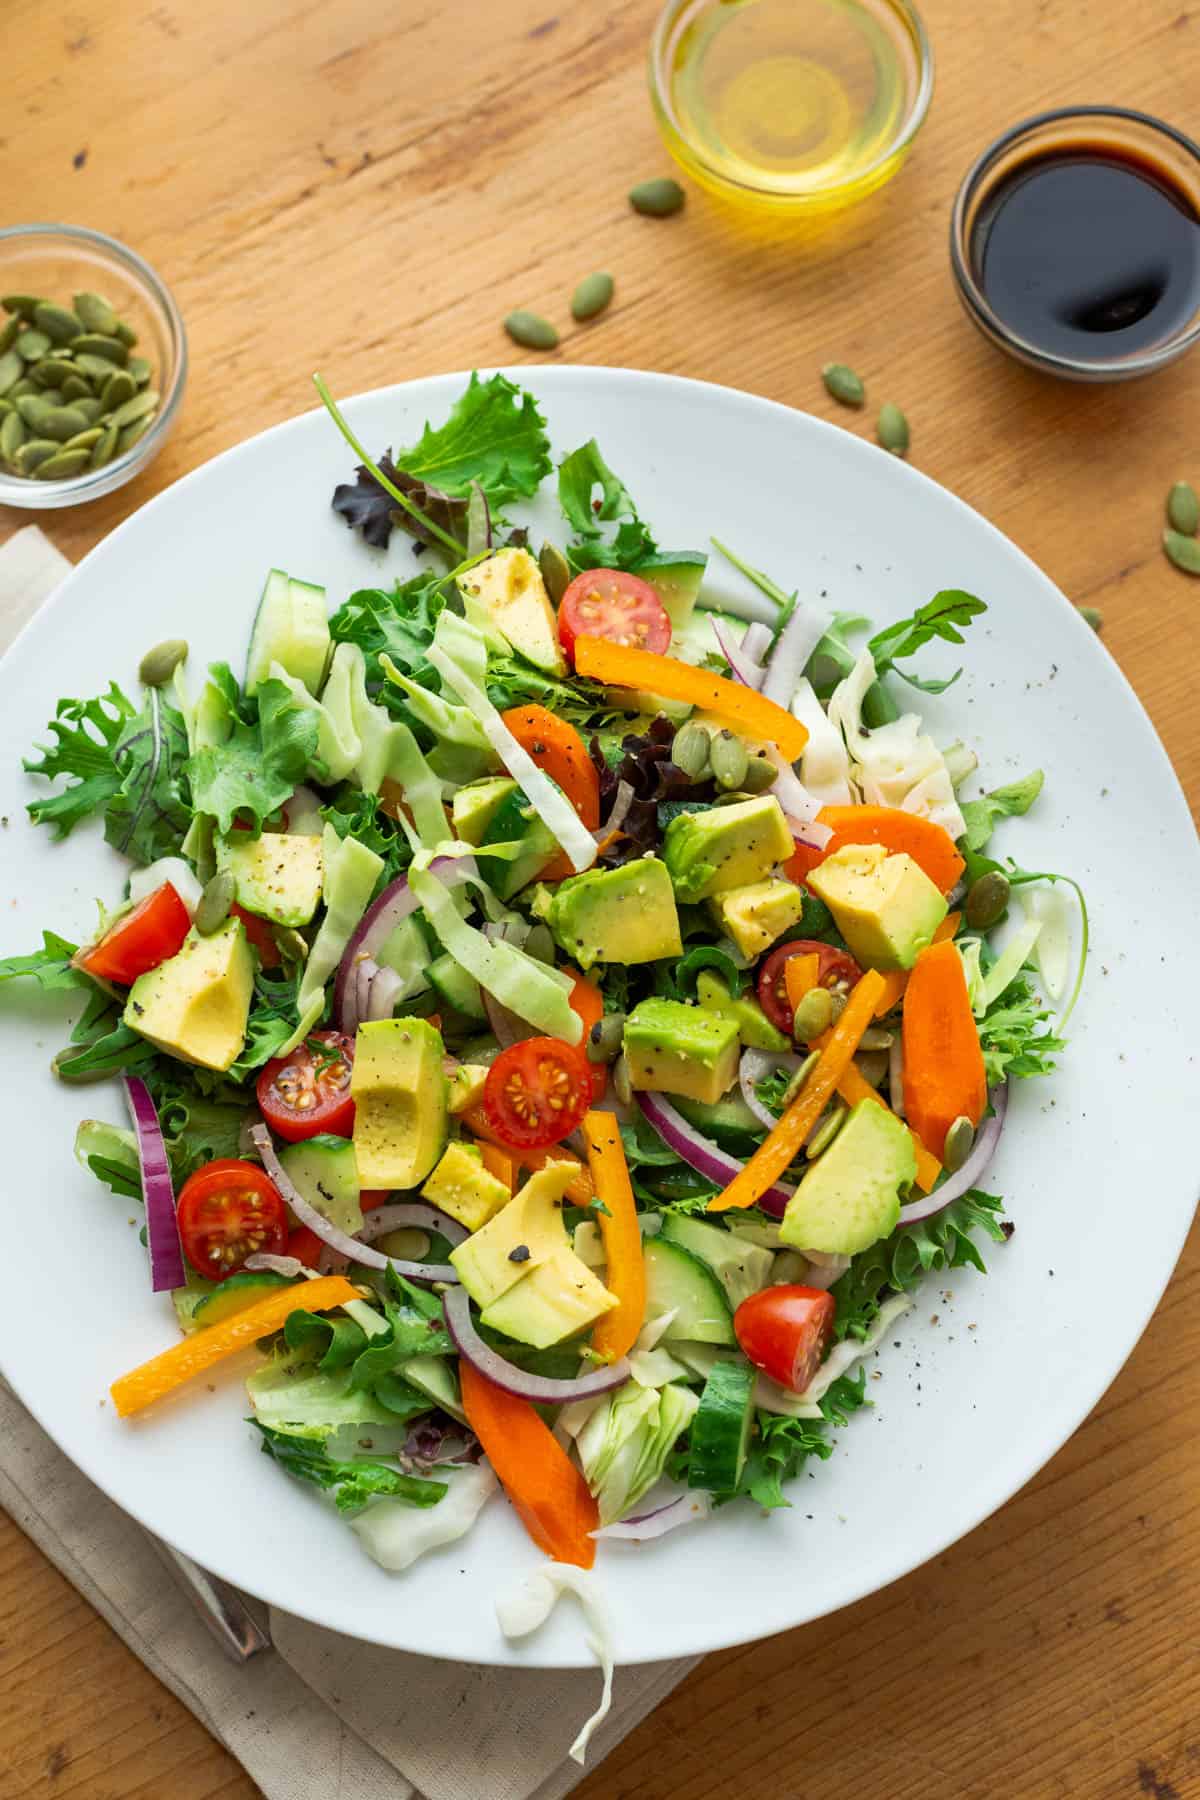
[1075, 243]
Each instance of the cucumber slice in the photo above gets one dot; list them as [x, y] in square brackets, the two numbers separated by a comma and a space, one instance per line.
[720, 1431]
[729, 1122]
[675, 577]
[742, 1268]
[678, 1282]
[457, 988]
[235, 1294]
[291, 628]
[324, 1171]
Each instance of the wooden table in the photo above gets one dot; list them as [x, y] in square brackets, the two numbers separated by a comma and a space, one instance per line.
[368, 189]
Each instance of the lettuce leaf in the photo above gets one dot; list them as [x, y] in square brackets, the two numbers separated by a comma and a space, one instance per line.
[1010, 801]
[1015, 1034]
[86, 734]
[149, 814]
[942, 617]
[901, 1262]
[50, 966]
[253, 772]
[495, 435]
[353, 1483]
[400, 622]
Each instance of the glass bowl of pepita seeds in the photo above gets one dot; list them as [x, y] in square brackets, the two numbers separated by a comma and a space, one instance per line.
[93, 363]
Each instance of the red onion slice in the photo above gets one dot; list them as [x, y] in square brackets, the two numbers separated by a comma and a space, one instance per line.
[800, 807]
[158, 1191]
[506, 1025]
[397, 902]
[686, 1509]
[339, 1241]
[796, 643]
[742, 667]
[400, 1213]
[754, 1067]
[954, 1186]
[618, 812]
[538, 1388]
[266, 1262]
[757, 640]
[387, 986]
[701, 1154]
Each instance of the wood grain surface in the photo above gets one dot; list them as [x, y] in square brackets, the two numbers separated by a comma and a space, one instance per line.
[368, 189]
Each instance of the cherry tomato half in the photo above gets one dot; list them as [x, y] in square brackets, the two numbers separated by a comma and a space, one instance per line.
[537, 1092]
[616, 606]
[227, 1211]
[305, 1246]
[309, 1091]
[835, 965]
[145, 937]
[261, 937]
[784, 1330]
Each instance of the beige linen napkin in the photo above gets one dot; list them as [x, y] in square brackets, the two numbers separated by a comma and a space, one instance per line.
[321, 1717]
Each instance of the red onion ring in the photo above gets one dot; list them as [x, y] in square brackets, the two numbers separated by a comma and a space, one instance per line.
[387, 986]
[742, 667]
[686, 1509]
[799, 805]
[158, 1191]
[397, 902]
[754, 1065]
[701, 1154]
[399, 1213]
[539, 1388]
[618, 812]
[506, 1025]
[795, 644]
[267, 1262]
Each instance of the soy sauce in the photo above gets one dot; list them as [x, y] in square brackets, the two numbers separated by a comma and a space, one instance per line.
[1089, 254]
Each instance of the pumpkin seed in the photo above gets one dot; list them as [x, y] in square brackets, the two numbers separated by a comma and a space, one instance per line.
[622, 1085]
[826, 1131]
[58, 322]
[33, 345]
[11, 370]
[76, 388]
[10, 333]
[1093, 617]
[24, 386]
[531, 331]
[605, 1038]
[658, 198]
[987, 900]
[872, 1065]
[96, 368]
[37, 450]
[90, 407]
[1183, 508]
[31, 408]
[126, 333]
[117, 389]
[132, 433]
[592, 295]
[12, 435]
[876, 1038]
[63, 465]
[61, 423]
[158, 665]
[800, 1077]
[20, 304]
[760, 775]
[96, 313]
[1183, 551]
[6, 406]
[691, 751]
[813, 1015]
[47, 374]
[838, 1000]
[730, 760]
[140, 369]
[960, 1141]
[556, 570]
[137, 408]
[293, 946]
[843, 384]
[892, 430]
[106, 449]
[94, 343]
[540, 944]
[212, 908]
[84, 440]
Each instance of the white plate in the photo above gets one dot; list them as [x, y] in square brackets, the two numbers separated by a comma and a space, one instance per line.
[1098, 1165]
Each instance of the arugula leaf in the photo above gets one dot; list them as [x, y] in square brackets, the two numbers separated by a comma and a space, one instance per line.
[1015, 1037]
[116, 1051]
[354, 814]
[644, 1149]
[110, 1152]
[354, 1483]
[942, 617]
[1011, 801]
[579, 476]
[50, 966]
[149, 815]
[331, 1338]
[274, 1016]
[255, 771]
[761, 580]
[511, 681]
[86, 733]
[901, 1262]
[833, 658]
[400, 623]
[197, 1129]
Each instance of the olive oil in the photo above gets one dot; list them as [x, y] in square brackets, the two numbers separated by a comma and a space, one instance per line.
[792, 100]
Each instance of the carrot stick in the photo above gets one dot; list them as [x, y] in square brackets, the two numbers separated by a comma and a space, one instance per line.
[620, 666]
[615, 1333]
[548, 1491]
[896, 980]
[800, 976]
[944, 1077]
[211, 1344]
[854, 1087]
[930, 845]
[782, 1144]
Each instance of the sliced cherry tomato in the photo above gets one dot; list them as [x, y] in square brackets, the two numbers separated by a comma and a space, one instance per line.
[145, 937]
[370, 1198]
[586, 999]
[305, 1246]
[836, 966]
[613, 605]
[309, 1091]
[784, 1330]
[228, 1211]
[537, 1092]
[260, 936]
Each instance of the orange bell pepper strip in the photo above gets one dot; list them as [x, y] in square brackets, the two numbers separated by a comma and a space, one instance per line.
[930, 845]
[800, 976]
[782, 1144]
[500, 1163]
[896, 980]
[212, 1343]
[620, 666]
[547, 1490]
[854, 1087]
[580, 1192]
[944, 1076]
[614, 1335]
[557, 749]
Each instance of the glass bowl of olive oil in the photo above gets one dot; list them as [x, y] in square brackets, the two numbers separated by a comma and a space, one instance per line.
[790, 106]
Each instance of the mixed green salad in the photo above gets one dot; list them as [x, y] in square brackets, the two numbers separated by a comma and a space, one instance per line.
[563, 1019]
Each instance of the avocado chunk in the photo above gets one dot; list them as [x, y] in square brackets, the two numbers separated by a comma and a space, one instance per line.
[754, 916]
[558, 1299]
[278, 876]
[195, 1005]
[324, 1171]
[466, 1085]
[673, 1048]
[462, 1187]
[624, 915]
[509, 586]
[753, 1026]
[885, 907]
[727, 847]
[850, 1196]
[399, 1091]
[475, 806]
